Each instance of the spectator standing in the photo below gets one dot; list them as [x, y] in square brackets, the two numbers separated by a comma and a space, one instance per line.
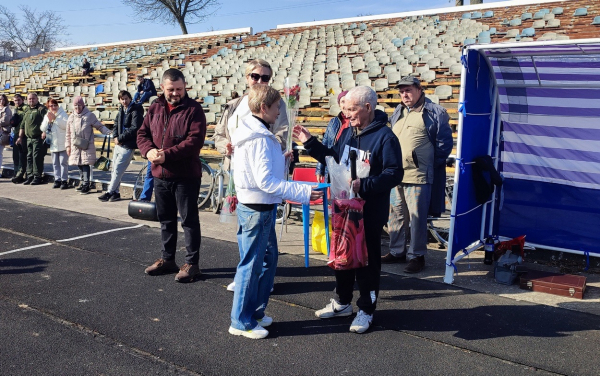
[127, 123]
[260, 187]
[426, 140]
[171, 137]
[374, 142]
[145, 90]
[36, 150]
[258, 72]
[5, 118]
[80, 141]
[332, 134]
[54, 127]
[20, 142]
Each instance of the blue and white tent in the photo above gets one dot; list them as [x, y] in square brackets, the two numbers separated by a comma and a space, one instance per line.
[535, 109]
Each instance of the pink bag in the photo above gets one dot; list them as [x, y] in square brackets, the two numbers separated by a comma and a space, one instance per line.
[348, 245]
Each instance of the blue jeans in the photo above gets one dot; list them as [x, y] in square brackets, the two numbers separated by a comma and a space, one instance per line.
[256, 271]
[121, 159]
[141, 98]
[146, 194]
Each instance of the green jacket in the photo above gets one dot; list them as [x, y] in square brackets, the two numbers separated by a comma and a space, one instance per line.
[32, 120]
[18, 117]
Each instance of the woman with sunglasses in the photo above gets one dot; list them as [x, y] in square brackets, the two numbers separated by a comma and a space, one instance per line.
[54, 127]
[258, 72]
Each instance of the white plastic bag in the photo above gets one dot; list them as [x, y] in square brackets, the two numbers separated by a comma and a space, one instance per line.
[340, 176]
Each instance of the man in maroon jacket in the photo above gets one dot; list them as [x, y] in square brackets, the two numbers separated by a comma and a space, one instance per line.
[171, 137]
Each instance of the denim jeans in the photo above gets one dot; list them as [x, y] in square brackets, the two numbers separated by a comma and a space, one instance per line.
[408, 219]
[256, 271]
[181, 195]
[60, 165]
[141, 98]
[121, 159]
[146, 194]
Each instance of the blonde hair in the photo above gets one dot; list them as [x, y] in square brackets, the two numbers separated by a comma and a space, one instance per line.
[258, 63]
[262, 94]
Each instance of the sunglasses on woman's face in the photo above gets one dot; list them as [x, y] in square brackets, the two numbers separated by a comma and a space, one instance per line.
[263, 78]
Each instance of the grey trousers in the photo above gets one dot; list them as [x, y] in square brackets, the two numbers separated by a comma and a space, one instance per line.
[408, 219]
[121, 159]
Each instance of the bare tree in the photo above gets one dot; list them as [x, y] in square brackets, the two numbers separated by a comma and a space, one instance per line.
[180, 12]
[37, 29]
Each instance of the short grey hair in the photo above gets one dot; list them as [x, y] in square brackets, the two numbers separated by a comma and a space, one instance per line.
[363, 95]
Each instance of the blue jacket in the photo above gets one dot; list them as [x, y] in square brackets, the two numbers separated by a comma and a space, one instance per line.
[333, 127]
[437, 123]
[382, 149]
[147, 86]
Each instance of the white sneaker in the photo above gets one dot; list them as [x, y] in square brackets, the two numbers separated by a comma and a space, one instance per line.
[361, 322]
[257, 333]
[231, 286]
[334, 309]
[265, 321]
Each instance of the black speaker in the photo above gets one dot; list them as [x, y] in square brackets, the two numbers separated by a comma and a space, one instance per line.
[144, 210]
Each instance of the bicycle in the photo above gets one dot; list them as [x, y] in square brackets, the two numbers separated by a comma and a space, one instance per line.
[206, 183]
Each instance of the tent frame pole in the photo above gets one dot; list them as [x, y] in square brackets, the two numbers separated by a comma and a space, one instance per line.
[449, 275]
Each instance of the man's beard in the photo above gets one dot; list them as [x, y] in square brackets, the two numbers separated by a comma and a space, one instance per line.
[172, 101]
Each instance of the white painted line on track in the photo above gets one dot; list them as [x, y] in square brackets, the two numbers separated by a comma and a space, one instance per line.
[70, 239]
[98, 233]
[26, 248]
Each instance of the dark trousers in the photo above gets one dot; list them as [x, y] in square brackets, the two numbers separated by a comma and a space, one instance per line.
[173, 195]
[84, 173]
[36, 150]
[367, 278]
[20, 158]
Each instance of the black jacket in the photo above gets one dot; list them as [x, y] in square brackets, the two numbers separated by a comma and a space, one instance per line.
[126, 126]
[380, 146]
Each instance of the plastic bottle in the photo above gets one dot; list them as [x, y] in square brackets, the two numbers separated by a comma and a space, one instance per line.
[488, 247]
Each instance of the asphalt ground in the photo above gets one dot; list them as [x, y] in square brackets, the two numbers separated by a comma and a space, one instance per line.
[84, 306]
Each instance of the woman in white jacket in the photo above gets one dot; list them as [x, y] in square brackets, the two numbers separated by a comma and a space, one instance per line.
[260, 186]
[54, 126]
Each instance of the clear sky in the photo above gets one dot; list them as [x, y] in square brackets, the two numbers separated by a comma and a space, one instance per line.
[104, 21]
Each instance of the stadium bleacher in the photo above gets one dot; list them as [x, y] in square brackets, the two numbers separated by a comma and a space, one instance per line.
[323, 59]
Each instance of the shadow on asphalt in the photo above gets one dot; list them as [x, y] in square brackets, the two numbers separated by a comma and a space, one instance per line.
[22, 265]
[483, 322]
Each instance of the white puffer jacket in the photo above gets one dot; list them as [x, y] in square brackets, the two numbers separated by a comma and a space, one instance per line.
[260, 167]
[58, 130]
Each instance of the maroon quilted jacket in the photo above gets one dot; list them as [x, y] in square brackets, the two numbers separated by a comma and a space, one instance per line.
[180, 134]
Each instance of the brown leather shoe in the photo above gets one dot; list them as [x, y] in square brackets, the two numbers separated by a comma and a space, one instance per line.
[415, 265]
[391, 259]
[161, 266]
[188, 273]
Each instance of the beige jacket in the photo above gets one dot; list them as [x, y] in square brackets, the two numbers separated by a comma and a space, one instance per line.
[82, 125]
[5, 117]
[222, 136]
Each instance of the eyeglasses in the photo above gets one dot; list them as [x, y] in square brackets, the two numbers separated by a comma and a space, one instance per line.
[263, 78]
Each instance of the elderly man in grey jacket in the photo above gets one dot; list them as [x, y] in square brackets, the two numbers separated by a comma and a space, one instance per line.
[423, 129]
